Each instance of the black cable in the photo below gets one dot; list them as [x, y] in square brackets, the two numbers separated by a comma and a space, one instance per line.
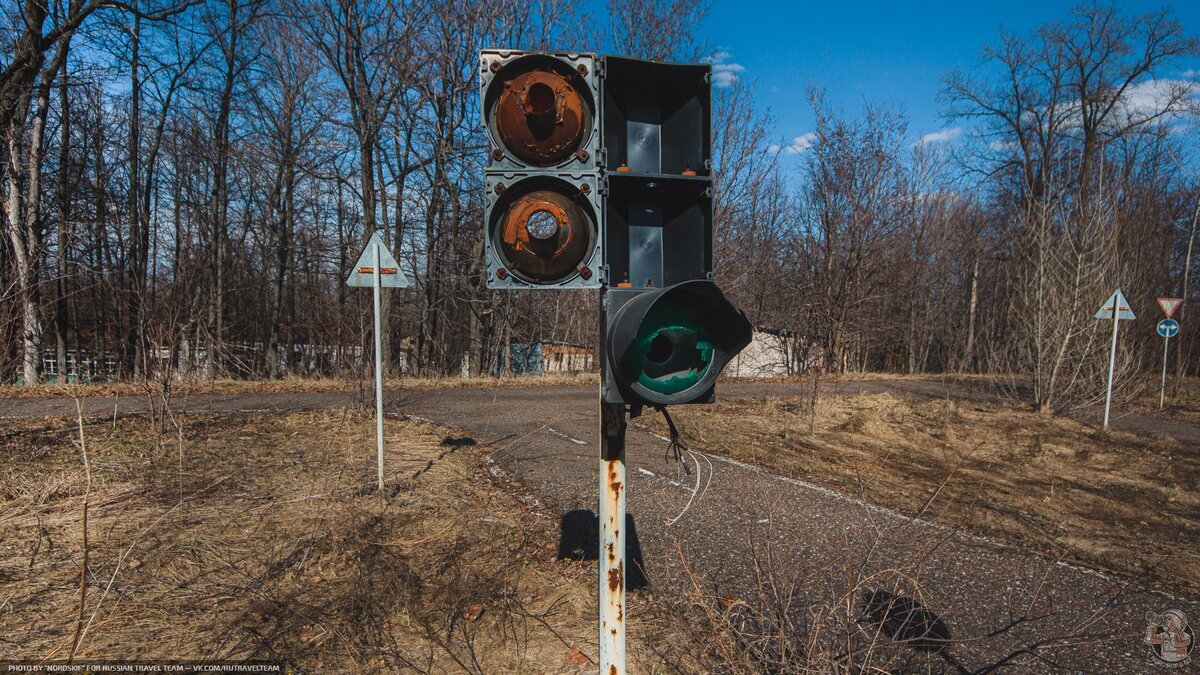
[676, 445]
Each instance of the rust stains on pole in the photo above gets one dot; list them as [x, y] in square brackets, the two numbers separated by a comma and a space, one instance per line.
[612, 538]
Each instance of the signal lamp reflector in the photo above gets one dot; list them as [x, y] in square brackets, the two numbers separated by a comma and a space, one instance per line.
[672, 350]
[543, 230]
[668, 346]
[539, 110]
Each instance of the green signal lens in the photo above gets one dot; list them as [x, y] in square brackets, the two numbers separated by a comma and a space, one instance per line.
[672, 351]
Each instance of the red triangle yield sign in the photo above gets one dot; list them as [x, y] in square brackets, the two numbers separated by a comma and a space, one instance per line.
[1169, 305]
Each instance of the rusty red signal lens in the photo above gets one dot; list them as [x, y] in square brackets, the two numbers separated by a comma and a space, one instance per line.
[544, 230]
[539, 110]
[543, 184]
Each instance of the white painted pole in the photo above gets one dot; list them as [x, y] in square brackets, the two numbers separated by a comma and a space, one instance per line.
[1162, 390]
[378, 371]
[1112, 361]
[612, 539]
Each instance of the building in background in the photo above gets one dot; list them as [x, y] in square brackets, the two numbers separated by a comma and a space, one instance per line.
[544, 357]
[774, 352]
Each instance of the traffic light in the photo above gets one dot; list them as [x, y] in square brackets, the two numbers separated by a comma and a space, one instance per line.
[542, 230]
[599, 175]
[667, 346]
[667, 329]
[543, 177]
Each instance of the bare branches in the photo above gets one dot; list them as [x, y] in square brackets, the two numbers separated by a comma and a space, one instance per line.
[660, 30]
[261, 140]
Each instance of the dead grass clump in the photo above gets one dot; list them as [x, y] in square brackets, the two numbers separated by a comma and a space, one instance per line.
[290, 385]
[259, 540]
[1115, 501]
[855, 423]
[48, 487]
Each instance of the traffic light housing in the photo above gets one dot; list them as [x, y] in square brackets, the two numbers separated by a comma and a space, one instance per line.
[667, 346]
[599, 175]
[543, 223]
[667, 329]
[657, 117]
[543, 230]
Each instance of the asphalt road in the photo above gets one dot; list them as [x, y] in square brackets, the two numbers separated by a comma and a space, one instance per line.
[294, 401]
[814, 536]
[995, 601]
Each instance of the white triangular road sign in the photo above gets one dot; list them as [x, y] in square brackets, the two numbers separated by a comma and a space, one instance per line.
[1117, 299]
[1169, 305]
[363, 272]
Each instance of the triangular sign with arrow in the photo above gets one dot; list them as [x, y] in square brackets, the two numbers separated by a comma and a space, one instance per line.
[1118, 302]
[363, 273]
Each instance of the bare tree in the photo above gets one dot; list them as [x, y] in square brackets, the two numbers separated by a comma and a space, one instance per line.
[287, 115]
[1056, 107]
[660, 30]
[850, 211]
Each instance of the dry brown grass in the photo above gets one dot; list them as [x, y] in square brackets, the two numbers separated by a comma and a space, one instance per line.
[1182, 402]
[288, 385]
[263, 537]
[1116, 501]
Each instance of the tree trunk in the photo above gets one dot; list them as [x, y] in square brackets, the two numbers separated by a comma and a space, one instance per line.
[61, 317]
[138, 239]
[972, 307]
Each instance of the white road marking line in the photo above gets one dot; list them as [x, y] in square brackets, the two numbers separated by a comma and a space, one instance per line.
[560, 434]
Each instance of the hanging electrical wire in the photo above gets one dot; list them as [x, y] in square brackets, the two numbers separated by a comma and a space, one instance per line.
[675, 447]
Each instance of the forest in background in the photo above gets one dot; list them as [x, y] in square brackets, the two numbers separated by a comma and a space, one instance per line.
[186, 183]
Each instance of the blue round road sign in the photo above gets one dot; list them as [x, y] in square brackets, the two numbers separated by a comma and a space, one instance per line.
[1168, 327]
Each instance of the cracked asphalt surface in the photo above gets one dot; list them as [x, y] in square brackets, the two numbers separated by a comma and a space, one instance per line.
[995, 600]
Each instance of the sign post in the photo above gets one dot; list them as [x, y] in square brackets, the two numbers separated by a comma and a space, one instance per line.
[376, 267]
[1117, 308]
[378, 365]
[1167, 328]
[612, 537]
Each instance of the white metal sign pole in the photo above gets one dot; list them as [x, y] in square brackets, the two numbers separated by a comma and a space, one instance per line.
[1162, 390]
[378, 370]
[612, 538]
[1112, 361]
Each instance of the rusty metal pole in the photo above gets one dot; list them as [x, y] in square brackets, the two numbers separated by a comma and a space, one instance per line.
[612, 538]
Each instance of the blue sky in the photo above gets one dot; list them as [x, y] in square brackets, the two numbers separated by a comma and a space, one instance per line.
[859, 51]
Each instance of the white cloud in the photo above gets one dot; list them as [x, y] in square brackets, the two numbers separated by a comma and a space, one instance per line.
[1162, 96]
[773, 149]
[940, 136]
[1154, 101]
[725, 72]
[800, 144]
[1190, 74]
